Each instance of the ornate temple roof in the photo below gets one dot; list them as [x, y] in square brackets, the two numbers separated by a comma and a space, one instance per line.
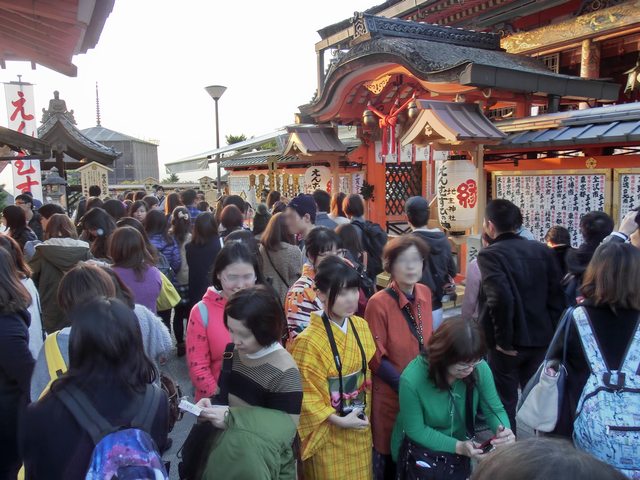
[448, 55]
[58, 129]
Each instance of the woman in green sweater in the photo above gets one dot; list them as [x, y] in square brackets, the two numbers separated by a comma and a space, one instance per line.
[434, 431]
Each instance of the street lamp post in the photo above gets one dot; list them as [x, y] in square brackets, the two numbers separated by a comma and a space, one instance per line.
[216, 92]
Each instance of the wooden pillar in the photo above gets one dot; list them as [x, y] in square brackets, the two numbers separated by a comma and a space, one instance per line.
[590, 63]
[482, 188]
[523, 107]
[335, 177]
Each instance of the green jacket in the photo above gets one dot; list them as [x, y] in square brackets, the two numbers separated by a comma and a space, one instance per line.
[255, 446]
[434, 418]
[52, 259]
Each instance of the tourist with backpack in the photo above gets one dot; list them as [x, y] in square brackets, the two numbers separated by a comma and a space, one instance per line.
[85, 282]
[372, 236]
[16, 362]
[235, 269]
[104, 415]
[603, 382]
[440, 268]
[400, 321]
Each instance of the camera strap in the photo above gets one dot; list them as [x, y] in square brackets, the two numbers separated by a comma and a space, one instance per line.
[336, 357]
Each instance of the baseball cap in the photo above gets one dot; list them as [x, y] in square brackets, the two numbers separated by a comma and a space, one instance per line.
[303, 204]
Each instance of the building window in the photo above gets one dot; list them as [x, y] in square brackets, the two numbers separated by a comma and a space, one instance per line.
[552, 62]
[501, 113]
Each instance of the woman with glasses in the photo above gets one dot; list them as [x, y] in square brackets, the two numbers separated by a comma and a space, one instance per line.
[235, 269]
[400, 320]
[333, 354]
[302, 299]
[440, 392]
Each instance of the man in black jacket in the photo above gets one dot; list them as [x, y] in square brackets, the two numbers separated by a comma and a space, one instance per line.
[521, 301]
[440, 267]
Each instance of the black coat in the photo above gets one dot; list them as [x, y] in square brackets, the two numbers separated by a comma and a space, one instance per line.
[16, 365]
[55, 447]
[440, 262]
[200, 259]
[521, 299]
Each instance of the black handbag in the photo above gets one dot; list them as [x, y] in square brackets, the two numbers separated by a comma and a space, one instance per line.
[419, 463]
[197, 446]
[416, 462]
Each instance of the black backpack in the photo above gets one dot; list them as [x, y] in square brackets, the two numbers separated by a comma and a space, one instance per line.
[374, 238]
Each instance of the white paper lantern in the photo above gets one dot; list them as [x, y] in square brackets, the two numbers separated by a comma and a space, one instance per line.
[457, 184]
[317, 177]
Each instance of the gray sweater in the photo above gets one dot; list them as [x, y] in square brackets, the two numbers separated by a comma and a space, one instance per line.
[288, 262]
[155, 337]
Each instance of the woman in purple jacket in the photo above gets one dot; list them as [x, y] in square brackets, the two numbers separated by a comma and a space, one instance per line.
[134, 265]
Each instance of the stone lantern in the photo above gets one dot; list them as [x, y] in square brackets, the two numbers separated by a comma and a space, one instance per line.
[55, 188]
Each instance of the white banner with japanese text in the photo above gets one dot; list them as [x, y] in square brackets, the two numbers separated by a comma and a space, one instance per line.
[21, 108]
[27, 177]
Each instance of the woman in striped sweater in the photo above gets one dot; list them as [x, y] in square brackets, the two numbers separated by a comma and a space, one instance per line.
[263, 374]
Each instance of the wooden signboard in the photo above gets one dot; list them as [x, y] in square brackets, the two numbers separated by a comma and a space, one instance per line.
[626, 191]
[548, 198]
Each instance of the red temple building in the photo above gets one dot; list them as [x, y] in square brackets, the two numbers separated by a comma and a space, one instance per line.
[531, 101]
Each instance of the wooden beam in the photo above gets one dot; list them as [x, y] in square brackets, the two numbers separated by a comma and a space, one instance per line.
[63, 11]
[52, 24]
[31, 54]
[40, 35]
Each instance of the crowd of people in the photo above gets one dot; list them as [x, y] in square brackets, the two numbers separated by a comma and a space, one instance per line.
[301, 367]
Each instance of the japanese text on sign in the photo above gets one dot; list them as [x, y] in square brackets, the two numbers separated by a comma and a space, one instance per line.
[548, 200]
[629, 195]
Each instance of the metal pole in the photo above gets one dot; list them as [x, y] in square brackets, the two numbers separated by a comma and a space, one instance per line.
[219, 182]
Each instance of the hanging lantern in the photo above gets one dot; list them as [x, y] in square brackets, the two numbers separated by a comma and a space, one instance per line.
[457, 186]
[316, 177]
[368, 118]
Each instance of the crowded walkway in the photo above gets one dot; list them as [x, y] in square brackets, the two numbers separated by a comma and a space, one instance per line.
[264, 343]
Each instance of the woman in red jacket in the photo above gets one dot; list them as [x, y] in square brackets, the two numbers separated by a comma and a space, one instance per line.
[400, 321]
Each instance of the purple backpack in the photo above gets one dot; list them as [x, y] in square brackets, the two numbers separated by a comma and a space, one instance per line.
[122, 452]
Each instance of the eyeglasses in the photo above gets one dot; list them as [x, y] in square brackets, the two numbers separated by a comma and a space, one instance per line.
[462, 367]
[250, 277]
[340, 253]
[409, 262]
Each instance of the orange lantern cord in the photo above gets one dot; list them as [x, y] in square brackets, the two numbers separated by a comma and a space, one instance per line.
[388, 123]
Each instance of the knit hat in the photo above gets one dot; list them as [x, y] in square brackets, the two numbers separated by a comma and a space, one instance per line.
[260, 219]
[304, 204]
